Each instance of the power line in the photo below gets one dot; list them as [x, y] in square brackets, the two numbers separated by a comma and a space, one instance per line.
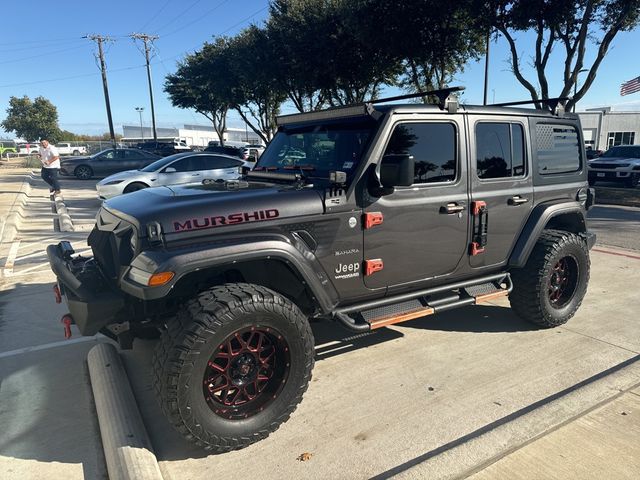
[200, 18]
[71, 77]
[179, 15]
[48, 40]
[155, 15]
[244, 20]
[38, 47]
[24, 59]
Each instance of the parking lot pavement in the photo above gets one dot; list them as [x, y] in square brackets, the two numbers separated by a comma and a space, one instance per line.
[433, 398]
[616, 226]
[438, 397]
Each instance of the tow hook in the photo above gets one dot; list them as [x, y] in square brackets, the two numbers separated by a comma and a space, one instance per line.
[57, 294]
[67, 320]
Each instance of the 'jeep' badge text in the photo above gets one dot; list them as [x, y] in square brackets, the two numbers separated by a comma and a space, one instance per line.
[219, 221]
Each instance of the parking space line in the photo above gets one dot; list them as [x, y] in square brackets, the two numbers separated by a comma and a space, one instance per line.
[619, 254]
[11, 257]
[47, 346]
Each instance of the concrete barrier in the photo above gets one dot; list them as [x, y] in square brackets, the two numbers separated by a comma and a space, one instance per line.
[127, 448]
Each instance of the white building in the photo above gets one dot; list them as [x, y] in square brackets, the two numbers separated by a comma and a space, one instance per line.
[194, 135]
[603, 128]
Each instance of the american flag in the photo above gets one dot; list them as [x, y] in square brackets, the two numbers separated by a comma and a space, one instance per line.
[632, 86]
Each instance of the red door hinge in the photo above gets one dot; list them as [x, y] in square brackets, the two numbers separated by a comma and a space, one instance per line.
[372, 219]
[480, 227]
[373, 266]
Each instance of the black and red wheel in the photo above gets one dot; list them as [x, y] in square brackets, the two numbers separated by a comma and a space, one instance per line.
[549, 289]
[246, 372]
[232, 366]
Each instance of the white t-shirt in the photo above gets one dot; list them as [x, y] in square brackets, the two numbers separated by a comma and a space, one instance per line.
[46, 154]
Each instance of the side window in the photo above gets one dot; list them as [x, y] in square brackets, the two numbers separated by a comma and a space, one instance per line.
[558, 149]
[213, 163]
[433, 147]
[182, 165]
[108, 155]
[499, 150]
[133, 155]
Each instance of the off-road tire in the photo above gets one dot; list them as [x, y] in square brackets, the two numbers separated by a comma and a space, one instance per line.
[530, 298]
[83, 172]
[134, 187]
[184, 352]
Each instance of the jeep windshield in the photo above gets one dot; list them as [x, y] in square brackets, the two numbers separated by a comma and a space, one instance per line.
[315, 150]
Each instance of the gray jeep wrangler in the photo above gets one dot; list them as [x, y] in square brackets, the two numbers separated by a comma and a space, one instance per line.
[367, 215]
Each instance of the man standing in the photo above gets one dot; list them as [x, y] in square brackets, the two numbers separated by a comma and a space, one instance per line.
[50, 165]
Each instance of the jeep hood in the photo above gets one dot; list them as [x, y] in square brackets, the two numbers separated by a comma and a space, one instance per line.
[615, 159]
[216, 206]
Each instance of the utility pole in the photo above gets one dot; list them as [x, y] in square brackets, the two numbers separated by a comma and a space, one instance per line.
[99, 39]
[147, 39]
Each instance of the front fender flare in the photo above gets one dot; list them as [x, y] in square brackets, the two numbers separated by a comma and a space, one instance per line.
[183, 261]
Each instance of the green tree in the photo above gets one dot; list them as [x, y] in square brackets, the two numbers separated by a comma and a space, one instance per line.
[430, 41]
[324, 57]
[32, 120]
[257, 95]
[571, 25]
[202, 83]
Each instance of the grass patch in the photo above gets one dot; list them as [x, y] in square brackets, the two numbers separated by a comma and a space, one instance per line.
[31, 162]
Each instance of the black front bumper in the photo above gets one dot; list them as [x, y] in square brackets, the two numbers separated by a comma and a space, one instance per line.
[91, 305]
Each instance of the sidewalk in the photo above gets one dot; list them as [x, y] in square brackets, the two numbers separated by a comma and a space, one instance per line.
[603, 443]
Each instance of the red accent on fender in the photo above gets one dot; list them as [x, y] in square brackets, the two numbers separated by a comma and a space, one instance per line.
[477, 206]
[373, 266]
[57, 294]
[372, 219]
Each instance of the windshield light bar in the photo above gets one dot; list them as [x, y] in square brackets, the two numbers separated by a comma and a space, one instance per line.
[361, 110]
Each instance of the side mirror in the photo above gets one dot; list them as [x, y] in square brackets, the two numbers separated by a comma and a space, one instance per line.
[170, 170]
[397, 171]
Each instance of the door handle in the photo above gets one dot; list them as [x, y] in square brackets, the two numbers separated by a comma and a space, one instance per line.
[517, 200]
[195, 174]
[451, 208]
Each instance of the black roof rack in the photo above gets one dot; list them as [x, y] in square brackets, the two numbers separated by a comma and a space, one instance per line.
[442, 94]
[367, 108]
[552, 103]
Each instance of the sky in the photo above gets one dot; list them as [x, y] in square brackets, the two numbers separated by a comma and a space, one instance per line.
[43, 52]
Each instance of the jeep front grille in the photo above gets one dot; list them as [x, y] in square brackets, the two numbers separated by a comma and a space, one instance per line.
[608, 166]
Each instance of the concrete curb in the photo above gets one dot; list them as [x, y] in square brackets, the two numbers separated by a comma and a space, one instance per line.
[64, 219]
[126, 444]
[11, 224]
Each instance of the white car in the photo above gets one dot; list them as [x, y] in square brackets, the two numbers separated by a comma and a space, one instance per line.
[181, 168]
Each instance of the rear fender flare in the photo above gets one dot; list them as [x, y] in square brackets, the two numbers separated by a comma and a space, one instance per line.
[538, 221]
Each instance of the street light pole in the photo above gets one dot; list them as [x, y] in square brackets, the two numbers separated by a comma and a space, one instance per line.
[140, 110]
[575, 87]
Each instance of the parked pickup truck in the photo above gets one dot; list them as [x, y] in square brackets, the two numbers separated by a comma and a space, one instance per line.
[68, 149]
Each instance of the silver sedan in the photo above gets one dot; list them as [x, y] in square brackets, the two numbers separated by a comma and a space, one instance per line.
[181, 168]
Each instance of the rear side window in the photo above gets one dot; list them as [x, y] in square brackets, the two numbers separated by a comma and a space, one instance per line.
[214, 163]
[433, 147]
[558, 149]
[499, 150]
